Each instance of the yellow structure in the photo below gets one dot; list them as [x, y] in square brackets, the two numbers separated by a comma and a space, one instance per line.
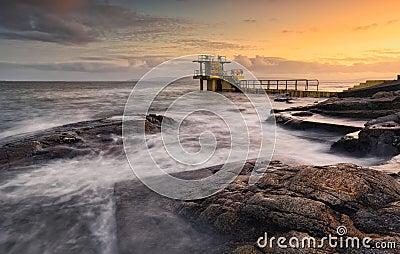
[212, 70]
[216, 84]
[368, 83]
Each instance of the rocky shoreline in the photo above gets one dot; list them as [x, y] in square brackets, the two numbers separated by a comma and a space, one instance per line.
[288, 201]
[377, 105]
[380, 135]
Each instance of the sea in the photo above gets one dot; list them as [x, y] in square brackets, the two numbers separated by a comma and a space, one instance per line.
[67, 205]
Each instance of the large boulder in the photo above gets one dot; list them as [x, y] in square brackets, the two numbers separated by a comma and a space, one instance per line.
[300, 120]
[303, 200]
[380, 137]
[288, 201]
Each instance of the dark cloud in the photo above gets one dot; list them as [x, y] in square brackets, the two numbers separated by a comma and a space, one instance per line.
[68, 37]
[93, 64]
[366, 27]
[286, 31]
[73, 21]
[249, 20]
[282, 66]
[392, 21]
[43, 21]
[209, 45]
[148, 61]
[88, 67]
[373, 25]
[97, 58]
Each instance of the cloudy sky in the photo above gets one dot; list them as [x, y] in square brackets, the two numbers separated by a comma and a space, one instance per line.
[121, 39]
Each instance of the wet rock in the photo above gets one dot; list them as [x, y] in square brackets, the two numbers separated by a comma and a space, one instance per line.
[384, 94]
[302, 113]
[288, 201]
[348, 143]
[380, 137]
[394, 118]
[390, 167]
[68, 141]
[283, 98]
[298, 200]
[247, 249]
[381, 104]
[295, 120]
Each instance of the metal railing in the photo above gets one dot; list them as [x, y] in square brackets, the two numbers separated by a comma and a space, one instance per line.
[221, 74]
[211, 58]
[282, 84]
[199, 73]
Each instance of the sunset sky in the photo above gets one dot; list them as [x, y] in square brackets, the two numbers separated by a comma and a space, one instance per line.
[121, 39]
